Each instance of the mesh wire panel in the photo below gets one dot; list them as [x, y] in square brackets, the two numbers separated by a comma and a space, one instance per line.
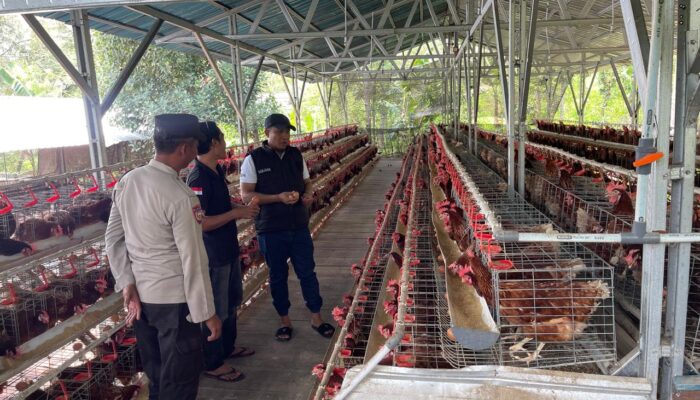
[554, 305]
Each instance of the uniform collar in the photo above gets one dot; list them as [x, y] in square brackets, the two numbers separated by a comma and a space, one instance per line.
[163, 167]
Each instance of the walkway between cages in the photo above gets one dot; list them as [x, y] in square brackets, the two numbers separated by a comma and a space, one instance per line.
[282, 370]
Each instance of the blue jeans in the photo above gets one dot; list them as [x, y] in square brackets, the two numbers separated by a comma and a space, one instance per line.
[228, 292]
[278, 247]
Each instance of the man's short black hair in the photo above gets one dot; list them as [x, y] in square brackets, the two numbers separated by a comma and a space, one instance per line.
[211, 132]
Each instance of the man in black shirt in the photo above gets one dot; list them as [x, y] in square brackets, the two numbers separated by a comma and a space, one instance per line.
[276, 174]
[207, 179]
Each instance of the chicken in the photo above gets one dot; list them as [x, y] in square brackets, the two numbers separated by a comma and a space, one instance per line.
[7, 346]
[586, 223]
[105, 391]
[11, 247]
[63, 219]
[34, 229]
[622, 202]
[386, 329]
[399, 239]
[550, 310]
[91, 208]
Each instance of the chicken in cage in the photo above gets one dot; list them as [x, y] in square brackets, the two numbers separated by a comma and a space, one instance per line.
[538, 293]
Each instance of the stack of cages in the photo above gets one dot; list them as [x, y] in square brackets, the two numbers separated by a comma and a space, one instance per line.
[37, 210]
[362, 318]
[552, 301]
[84, 368]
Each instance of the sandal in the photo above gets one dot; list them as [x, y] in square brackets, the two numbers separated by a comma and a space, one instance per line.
[242, 352]
[326, 330]
[284, 334]
[231, 375]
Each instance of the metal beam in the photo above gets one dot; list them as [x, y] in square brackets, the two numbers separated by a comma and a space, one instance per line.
[285, 11]
[259, 16]
[56, 51]
[129, 67]
[208, 21]
[42, 6]
[622, 89]
[173, 20]
[338, 26]
[453, 12]
[637, 40]
[588, 92]
[86, 65]
[253, 81]
[342, 33]
[309, 16]
[650, 204]
[217, 72]
[687, 102]
[565, 15]
[501, 61]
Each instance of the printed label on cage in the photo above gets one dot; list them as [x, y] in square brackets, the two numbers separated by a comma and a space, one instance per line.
[198, 213]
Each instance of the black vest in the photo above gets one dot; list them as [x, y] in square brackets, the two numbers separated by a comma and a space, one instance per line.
[277, 175]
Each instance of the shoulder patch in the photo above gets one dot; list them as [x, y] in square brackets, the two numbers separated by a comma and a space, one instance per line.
[197, 191]
[198, 213]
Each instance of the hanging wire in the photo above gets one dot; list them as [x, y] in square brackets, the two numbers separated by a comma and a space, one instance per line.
[546, 31]
[612, 22]
[345, 39]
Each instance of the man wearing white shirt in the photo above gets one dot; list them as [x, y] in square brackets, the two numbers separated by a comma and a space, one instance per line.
[277, 175]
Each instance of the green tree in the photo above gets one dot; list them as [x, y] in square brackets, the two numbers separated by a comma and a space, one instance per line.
[167, 81]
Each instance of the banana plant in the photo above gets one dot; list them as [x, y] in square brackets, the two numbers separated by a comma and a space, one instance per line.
[17, 88]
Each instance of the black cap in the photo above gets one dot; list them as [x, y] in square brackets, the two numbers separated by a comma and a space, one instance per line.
[177, 126]
[279, 121]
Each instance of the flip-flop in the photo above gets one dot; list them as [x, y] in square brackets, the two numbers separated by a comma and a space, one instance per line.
[221, 377]
[284, 334]
[326, 330]
[243, 352]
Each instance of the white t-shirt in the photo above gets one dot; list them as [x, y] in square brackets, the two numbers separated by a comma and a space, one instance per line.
[250, 175]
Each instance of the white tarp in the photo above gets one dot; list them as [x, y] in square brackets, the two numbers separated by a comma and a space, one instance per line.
[45, 122]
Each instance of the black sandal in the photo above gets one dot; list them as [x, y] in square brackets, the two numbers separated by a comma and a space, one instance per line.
[326, 330]
[222, 377]
[284, 334]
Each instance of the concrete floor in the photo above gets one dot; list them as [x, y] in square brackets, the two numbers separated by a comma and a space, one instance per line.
[282, 370]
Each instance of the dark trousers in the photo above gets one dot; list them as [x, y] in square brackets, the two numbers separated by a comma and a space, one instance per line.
[278, 247]
[171, 351]
[228, 291]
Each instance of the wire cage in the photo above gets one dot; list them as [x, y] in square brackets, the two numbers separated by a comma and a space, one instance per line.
[80, 368]
[693, 318]
[369, 294]
[537, 287]
[422, 346]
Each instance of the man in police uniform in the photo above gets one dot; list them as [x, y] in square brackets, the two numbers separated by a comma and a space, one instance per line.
[277, 175]
[154, 244]
[208, 181]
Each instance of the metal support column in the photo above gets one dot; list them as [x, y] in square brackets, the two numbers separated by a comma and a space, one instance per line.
[682, 185]
[477, 87]
[237, 80]
[510, 106]
[86, 66]
[526, 57]
[638, 41]
[651, 190]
